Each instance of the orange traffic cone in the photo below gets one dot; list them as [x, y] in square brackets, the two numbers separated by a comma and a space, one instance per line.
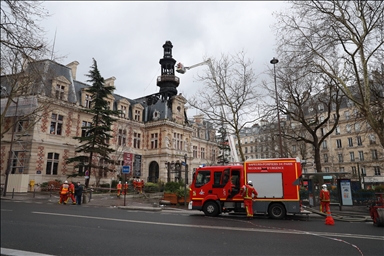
[329, 220]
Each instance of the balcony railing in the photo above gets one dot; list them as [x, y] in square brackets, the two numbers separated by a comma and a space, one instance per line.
[168, 78]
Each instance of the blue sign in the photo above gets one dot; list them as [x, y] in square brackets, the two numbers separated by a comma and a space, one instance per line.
[126, 169]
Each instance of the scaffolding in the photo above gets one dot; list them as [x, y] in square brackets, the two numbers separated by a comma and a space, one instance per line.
[19, 155]
[20, 111]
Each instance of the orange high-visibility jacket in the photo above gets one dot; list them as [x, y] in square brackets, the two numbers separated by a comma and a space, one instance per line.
[119, 186]
[64, 189]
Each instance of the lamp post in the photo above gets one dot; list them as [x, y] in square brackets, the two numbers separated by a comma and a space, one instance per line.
[274, 61]
[361, 172]
[358, 172]
[185, 180]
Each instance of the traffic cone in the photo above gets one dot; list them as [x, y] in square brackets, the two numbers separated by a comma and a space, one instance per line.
[329, 220]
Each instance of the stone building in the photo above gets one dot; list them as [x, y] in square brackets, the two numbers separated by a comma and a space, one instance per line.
[352, 148]
[153, 135]
[261, 140]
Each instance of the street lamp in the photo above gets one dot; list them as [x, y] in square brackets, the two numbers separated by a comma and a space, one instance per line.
[185, 180]
[274, 61]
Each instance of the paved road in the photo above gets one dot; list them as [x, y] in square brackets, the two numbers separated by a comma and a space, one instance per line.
[151, 202]
[50, 228]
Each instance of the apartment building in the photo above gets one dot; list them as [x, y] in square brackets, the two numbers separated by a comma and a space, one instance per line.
[352, 148]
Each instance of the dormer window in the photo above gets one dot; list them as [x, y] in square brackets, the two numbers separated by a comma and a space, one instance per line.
[123, 111]
[88, 100]
[59, 92]
[60, 86]
[137, 115]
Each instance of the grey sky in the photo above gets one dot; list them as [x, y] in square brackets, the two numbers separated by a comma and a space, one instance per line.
[126, 38]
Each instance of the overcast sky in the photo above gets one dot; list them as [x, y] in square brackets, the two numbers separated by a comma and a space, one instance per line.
[126, 38]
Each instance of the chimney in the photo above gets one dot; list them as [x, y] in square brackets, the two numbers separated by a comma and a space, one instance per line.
[73, 66]
[110, 81]
[26, 61]
[198, 118]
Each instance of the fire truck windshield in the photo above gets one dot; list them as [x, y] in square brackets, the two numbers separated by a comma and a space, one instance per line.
[202, 178]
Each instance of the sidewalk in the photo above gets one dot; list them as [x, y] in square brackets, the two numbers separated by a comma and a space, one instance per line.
[131, 202]
[151, 202]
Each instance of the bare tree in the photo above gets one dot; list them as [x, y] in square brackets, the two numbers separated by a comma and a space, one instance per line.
[22, 41]
[311, 102]
[343, 40]
[228, 96]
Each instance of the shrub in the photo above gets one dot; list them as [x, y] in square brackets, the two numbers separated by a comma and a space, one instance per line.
[105, 185]
[44, 185]
[172, 187]
[151, 187]
[181, 192]
[114, 183]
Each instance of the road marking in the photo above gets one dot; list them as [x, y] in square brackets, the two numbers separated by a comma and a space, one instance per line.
[295, 232]
[6, 210]
[12, 252]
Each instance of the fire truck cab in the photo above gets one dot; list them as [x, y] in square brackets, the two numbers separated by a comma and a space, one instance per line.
[216, 189]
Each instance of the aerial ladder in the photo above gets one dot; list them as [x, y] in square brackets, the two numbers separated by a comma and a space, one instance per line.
[180, 68]
[232, 146]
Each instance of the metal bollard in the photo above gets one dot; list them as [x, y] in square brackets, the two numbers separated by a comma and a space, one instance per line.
[13, 192]
[34, 192]
[84, 198]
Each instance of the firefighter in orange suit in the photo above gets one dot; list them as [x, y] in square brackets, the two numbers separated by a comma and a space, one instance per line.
[135, 184]
[64, 189]
[125, 188]
[71, 193]
[325, 199]
[118, 187]
[249, 193]
[140, 185]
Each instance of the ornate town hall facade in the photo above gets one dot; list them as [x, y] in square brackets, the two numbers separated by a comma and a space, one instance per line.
[153, 134]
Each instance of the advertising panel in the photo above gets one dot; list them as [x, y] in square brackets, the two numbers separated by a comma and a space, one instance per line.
[345, 191]
[137, 166]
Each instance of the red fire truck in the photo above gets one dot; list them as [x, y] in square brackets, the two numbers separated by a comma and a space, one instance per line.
[216, 189]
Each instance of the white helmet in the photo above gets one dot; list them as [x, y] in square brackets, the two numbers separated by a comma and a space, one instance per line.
[250, 182]
[66, 182]
[324, 186]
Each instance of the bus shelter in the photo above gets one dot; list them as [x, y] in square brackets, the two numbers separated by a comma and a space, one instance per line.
[310, 182]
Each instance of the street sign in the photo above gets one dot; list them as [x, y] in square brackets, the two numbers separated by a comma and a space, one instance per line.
[126, 169]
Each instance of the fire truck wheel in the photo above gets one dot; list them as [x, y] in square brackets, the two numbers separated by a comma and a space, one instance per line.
[211, 209]
[276, 211]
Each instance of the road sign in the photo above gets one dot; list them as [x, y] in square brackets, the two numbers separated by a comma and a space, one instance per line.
[126, 169]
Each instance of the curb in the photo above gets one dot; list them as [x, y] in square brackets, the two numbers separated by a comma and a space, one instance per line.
[140, 208]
